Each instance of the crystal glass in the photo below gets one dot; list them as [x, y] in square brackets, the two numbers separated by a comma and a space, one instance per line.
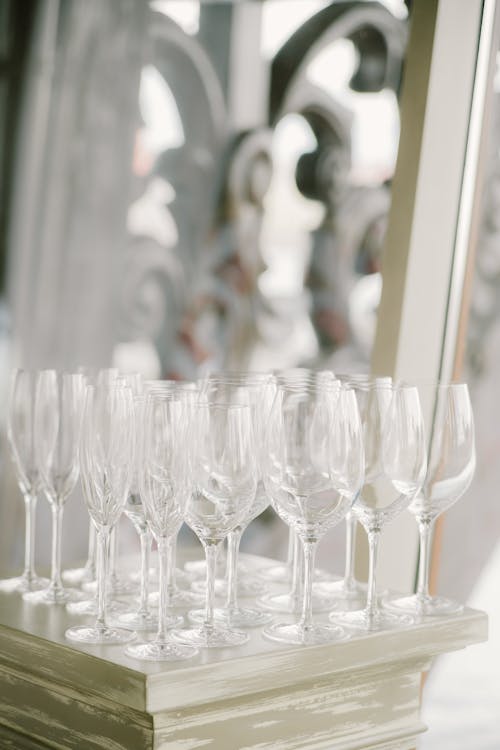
[106, 462]
[58, 417]
[178, 597]
[451, 466]
[313, 468]
[143, 619]
[20, 432]
[87, 572]
[165, 487]
[393, 434]
[224, 475]
[255, 390]
[348, 593]
[120, 584]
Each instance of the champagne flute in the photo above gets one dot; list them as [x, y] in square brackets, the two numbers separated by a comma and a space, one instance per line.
[58, 417]
[143, 619]
[106, 457]
[178, 597]
[20, 432]
[164, 485]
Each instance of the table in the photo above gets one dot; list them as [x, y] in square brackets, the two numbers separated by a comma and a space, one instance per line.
[361, 693]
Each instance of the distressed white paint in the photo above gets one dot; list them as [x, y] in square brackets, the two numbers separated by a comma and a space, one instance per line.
[361, 693]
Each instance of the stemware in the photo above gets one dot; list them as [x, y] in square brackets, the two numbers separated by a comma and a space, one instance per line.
[349, 593]
[164, 485]
[313, 470]
[256, 390]
[58, 415]
[106, 460]
[393, 434]
[451, 466]
[178, 597]
[224, 471]
[86, 575]
[87, 572]
[20, 432]
[143, 619]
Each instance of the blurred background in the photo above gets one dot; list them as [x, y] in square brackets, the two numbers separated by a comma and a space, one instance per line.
[191, 186]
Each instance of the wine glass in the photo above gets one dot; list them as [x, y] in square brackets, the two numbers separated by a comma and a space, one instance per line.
[256, 390]
[289, 571]
[20, 432]
[224, 472]
[313, 470]
[348, 593]
[58, 417]
[451, 465]
[164, 486]
[393, 434]
[106, 461]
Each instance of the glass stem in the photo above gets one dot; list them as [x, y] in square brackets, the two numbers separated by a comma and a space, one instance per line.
[371, 600]
[145, 540]
[171, 563]
[29, 543]
[290, 557]
[233, 546]
[90, 564]
[211, 550]
[296, 592]
[113, 555]
[55, 575]
[309, 547]
[350, 548]
[103, 539]
[163, 554]
[425, 530]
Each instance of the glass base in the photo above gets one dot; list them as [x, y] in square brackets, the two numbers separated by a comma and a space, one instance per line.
[198, 568]
[77, 576]
[246, 588]
[54, 596]
[296, 634]
[283, 574]
[136, 576]
[241, 617]
[342, 590]
[156, 651]
[277, 573]
[99, 636]
[88, 607]
[146, 623]
[420, 607]
[381, 620]
[23, 584]
[210, 637]
[342, 597]
[116, 587]
[292, 604]
[179, 598]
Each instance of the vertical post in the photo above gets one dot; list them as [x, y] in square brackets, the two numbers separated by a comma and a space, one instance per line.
[424, 267]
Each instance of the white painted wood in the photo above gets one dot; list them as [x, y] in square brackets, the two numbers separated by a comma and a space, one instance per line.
[426, 245]
[363, 693]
